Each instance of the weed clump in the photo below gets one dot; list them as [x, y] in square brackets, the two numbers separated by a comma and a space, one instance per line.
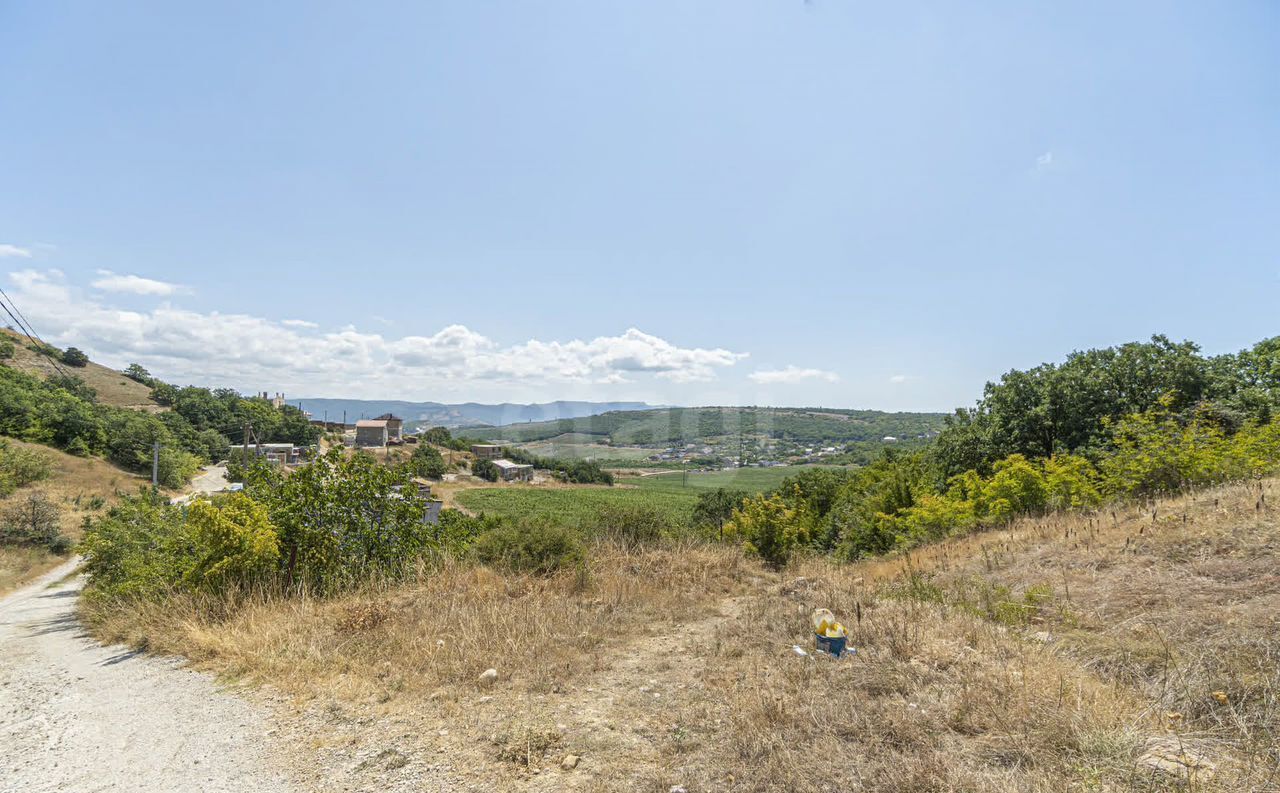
[532, 547]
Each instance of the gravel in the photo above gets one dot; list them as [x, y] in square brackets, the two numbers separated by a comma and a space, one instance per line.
[78, 716]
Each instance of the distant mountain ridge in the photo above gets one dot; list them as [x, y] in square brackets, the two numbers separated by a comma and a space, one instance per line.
[466, 414]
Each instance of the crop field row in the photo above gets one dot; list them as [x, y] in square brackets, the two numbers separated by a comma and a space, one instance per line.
[576, 506]
[752, 480]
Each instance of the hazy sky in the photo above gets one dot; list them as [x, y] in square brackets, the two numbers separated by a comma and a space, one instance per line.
[825, 203]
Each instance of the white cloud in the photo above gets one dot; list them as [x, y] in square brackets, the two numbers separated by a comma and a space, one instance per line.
[791, 374]
[134, 284]
[13, 251]
[254, 352]
[899, 378]
[1045, 161]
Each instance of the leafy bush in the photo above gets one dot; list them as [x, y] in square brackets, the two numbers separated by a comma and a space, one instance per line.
[630, 525]
[426, 461]
[7, 349]
[19, 466]
[33, 520]
[141, 548]
[767, 527]
[235, 542]
[534, 547]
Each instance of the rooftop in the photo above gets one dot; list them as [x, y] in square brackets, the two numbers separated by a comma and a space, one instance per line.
[370, 423]
[507, 465]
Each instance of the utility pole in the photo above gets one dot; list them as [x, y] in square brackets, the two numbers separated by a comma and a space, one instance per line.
[155, 463]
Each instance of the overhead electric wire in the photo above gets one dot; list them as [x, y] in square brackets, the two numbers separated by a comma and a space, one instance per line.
[28, 330]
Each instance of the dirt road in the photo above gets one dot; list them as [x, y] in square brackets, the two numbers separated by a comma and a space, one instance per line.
[77, 716]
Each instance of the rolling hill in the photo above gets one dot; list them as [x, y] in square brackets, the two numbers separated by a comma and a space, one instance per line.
[468, 414]
[112, 387]
[659, 426]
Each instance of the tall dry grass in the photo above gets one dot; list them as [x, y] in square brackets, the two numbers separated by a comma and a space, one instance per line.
[442, 627]
[1056, 654]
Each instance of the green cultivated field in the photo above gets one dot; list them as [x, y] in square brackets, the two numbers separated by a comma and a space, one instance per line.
[753, 480]
[572, 506]
[577, 446]
[577, 505]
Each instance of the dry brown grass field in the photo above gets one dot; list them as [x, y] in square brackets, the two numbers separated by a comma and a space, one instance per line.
[1126, 651]
[80, 487]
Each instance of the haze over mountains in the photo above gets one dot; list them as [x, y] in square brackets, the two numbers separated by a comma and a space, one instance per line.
[467, 414]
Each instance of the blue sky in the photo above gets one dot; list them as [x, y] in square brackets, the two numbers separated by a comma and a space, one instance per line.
[824, 203]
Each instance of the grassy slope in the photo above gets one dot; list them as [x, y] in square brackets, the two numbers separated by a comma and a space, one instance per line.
[112, 387]
[73, 486]
[674, 666]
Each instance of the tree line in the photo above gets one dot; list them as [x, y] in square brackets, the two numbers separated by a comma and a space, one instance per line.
[1123, 422]
[64, 413]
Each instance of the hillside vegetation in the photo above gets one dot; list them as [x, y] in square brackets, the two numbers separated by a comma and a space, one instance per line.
[694, 425]
[109, 386]
[75, 488]
[62, 410]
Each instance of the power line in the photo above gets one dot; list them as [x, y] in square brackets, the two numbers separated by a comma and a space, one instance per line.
[28, 330]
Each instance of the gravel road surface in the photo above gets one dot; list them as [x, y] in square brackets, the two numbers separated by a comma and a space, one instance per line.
[77, 716]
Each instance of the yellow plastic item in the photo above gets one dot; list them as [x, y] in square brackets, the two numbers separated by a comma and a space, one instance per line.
[834, 631]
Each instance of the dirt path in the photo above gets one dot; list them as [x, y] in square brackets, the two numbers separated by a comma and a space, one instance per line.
[211, 479]
[78, 716]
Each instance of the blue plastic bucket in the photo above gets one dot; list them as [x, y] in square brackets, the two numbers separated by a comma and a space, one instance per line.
[833, 646]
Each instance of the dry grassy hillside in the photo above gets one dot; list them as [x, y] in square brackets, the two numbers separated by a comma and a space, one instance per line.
[1128, 652]
[80, 487]
[112, 387]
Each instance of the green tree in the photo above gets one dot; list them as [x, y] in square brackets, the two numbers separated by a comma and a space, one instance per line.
[486, 470]
[339, 518]
[137, 373]
[73, 356]
[427, 461]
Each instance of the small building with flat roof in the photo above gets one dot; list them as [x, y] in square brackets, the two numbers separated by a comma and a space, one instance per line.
[514, 472]
[486, 451]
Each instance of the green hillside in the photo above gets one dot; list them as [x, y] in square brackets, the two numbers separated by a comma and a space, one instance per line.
[666, 426]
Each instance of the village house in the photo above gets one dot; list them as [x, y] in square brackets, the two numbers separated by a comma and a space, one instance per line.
[486, 451]
[394, 425]
[371, 432]
[514, 472]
